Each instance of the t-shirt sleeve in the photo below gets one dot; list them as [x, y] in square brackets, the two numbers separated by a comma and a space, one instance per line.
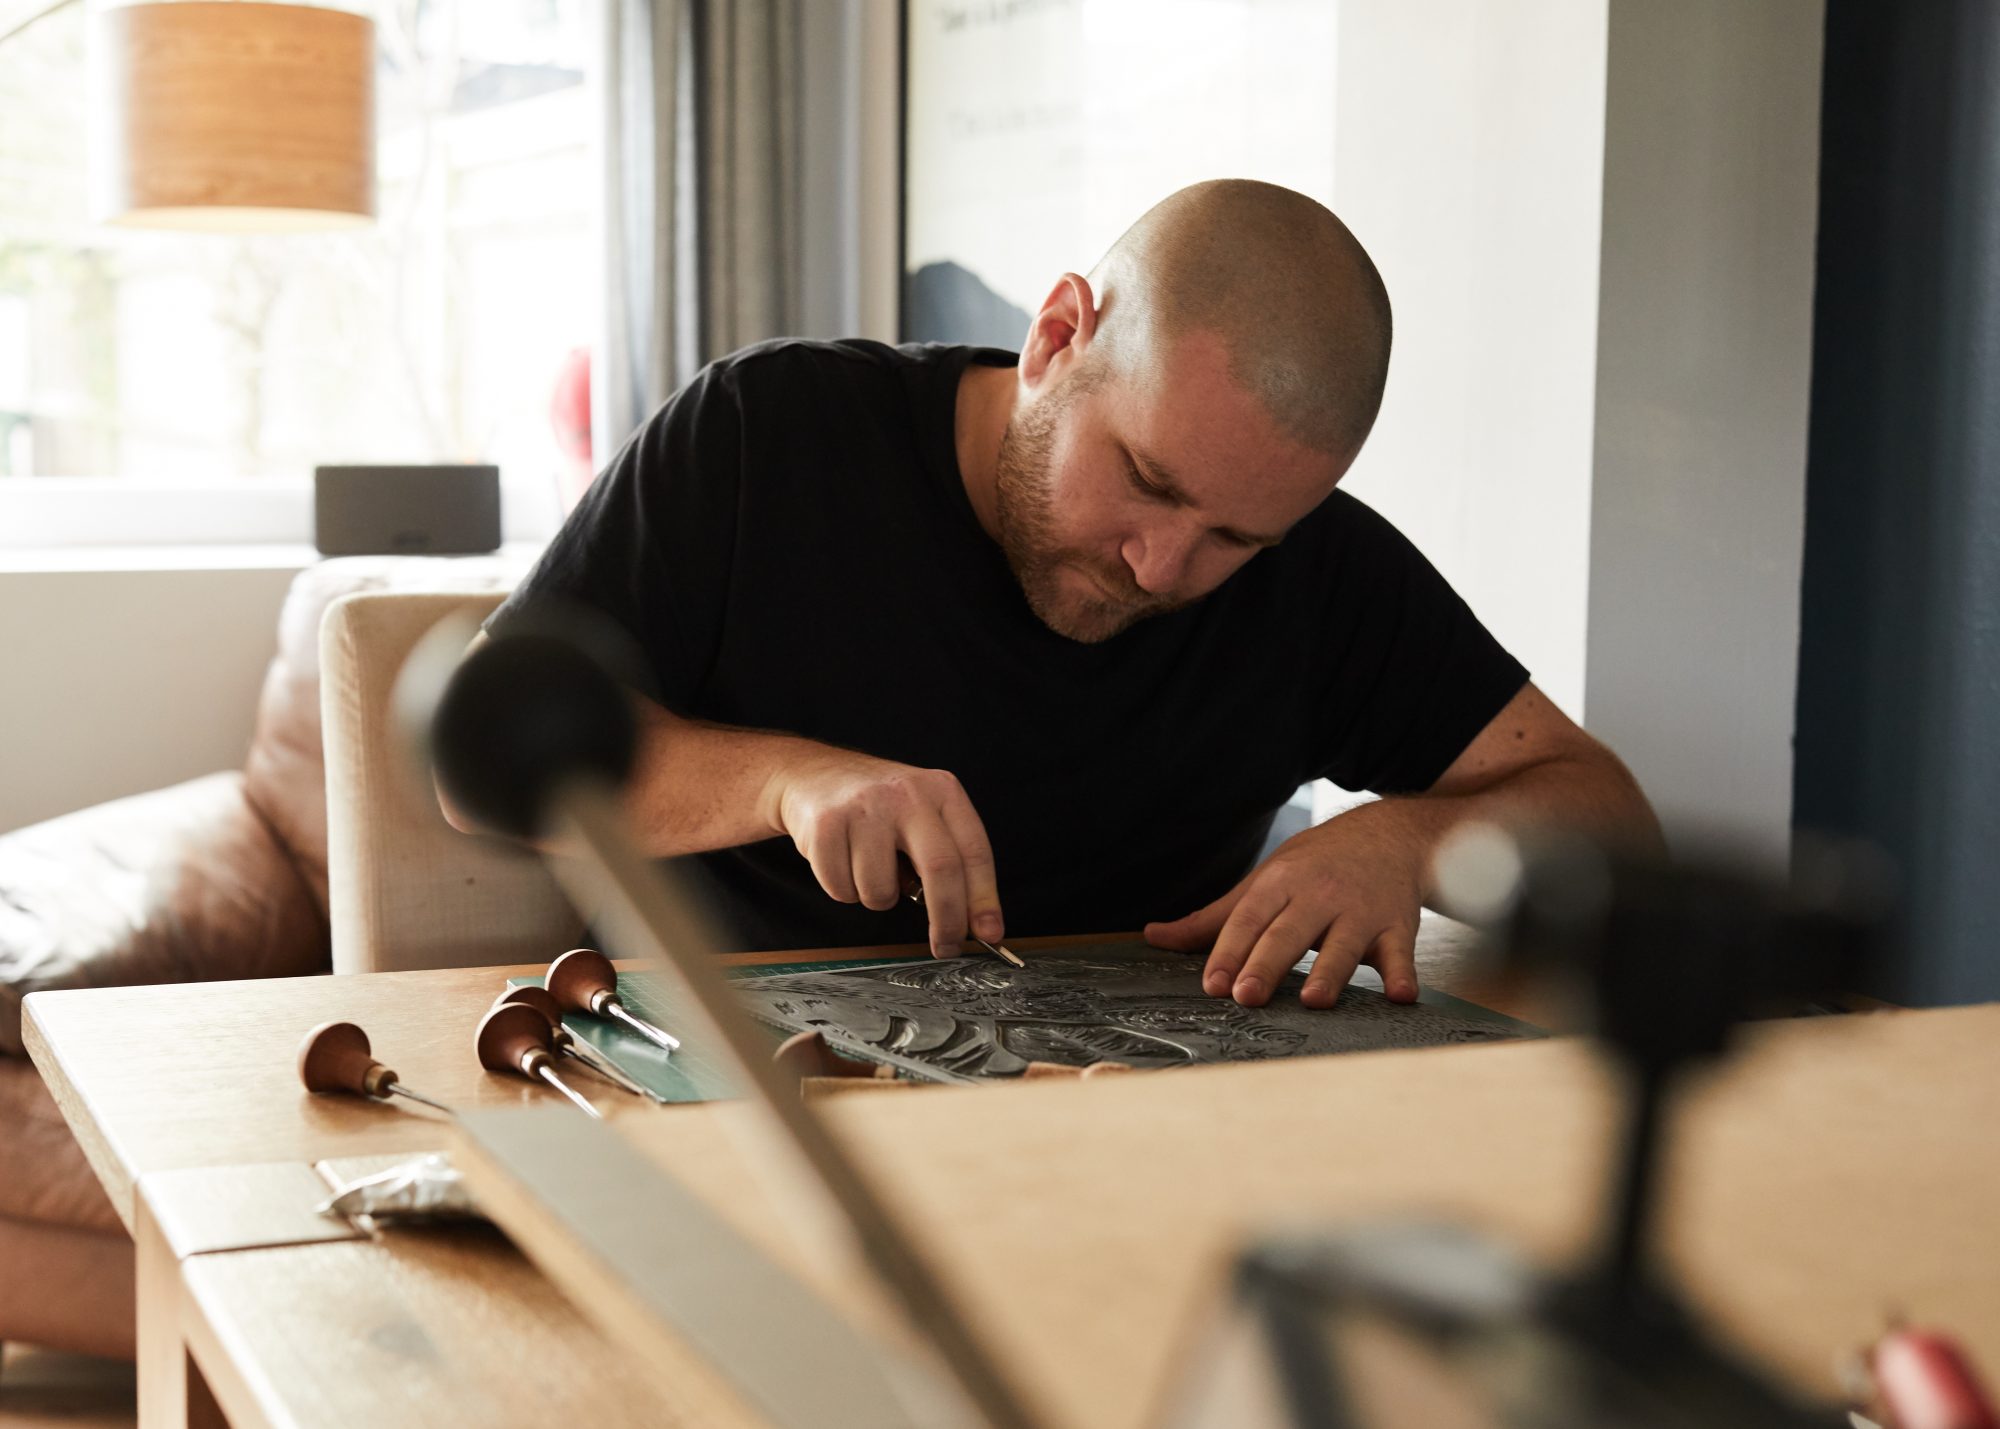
[649, 545]
[1413, 676]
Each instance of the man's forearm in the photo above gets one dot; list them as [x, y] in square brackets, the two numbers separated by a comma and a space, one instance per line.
[694, 786]
[698, 786]
[1591, 794]
[1594, 795]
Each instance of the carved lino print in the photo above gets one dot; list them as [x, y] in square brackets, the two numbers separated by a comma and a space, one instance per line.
[970, 1018]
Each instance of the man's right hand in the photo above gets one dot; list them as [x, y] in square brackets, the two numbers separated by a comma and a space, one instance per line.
[850, 815]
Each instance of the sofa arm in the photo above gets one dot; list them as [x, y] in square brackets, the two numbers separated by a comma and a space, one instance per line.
[405, 889]
[186, 884]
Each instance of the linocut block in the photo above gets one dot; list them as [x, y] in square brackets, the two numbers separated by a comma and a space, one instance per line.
[972, 1018]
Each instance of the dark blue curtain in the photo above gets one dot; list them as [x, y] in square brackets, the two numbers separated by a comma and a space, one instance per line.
[1899, 671]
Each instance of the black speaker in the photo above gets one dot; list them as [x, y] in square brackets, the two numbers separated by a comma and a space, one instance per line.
[406, 510]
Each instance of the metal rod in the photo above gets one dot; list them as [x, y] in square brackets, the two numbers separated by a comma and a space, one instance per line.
[638, 903]
[398, 1089]
[659, 1037]
[1001, 951]
[600, 1062]
[1623, 1257]
[548, 1074]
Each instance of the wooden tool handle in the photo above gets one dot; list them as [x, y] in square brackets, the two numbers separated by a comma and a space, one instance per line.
[580, 979]
[540, 999]
[805, 1054]
[512, 1038]
[335, 1057]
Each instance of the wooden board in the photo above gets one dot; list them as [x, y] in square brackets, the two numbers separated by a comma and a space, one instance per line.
[440, 1327]
[422, 1326]
[1844, 1170]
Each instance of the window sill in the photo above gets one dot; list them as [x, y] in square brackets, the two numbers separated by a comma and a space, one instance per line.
[238, 557]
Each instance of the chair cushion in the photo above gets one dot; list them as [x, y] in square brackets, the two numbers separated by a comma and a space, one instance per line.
[184, 884]
[221, 877]
[47, 1181]
[65, 1289]
[286, 770]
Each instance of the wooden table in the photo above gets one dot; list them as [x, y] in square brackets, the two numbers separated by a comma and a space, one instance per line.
[185, 1101]
[1839, 1171]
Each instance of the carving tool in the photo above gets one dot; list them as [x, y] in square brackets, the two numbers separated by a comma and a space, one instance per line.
[567, 1044]
[583, 980]
[914, 891]
[513, 1038]
[335, 1057]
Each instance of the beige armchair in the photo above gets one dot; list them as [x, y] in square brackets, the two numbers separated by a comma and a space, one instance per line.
[405, 889]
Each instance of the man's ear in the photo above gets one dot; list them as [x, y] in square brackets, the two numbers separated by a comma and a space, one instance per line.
[1061, 332]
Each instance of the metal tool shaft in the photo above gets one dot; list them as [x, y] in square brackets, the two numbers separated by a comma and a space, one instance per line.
[999, 950]
[548, 1074]
[597, 1061]
[398, 1089]
[659, 1037]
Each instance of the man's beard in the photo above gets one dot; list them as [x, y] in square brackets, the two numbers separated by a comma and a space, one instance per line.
[1025, 512]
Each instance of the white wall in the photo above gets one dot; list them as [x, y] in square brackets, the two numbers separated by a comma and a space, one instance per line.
[118, 680]
[1597, 222]
[1470, 163]
[1704, 363]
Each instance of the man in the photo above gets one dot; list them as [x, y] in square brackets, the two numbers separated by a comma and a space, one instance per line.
[1074, 624]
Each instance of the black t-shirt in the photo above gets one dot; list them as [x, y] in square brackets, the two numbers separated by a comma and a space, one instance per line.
[790, 542]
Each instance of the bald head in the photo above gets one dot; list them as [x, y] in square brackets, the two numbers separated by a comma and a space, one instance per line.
[1288, 291]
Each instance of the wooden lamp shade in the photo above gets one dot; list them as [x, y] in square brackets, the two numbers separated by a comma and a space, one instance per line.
[236, 115]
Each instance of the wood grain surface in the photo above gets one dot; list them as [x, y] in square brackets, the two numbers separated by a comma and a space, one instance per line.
[258, 106]
[209, 1208]
[1843, 1170]
[434, 1327]
[202, 1074]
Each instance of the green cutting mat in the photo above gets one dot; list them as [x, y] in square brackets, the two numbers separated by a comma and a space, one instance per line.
[694, 1075]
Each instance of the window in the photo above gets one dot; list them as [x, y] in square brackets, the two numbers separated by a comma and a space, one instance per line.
[134, 362]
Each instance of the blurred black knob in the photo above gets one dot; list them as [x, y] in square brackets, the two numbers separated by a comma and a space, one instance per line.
[524, 713]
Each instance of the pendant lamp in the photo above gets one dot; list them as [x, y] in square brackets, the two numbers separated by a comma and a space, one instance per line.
[235, 115]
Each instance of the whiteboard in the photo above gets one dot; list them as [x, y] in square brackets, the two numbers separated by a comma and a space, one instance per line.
[1036, 131]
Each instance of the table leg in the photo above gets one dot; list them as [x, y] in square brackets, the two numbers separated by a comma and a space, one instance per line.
[172, 1392]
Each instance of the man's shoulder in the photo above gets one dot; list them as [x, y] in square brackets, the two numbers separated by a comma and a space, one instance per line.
[1340, 549]
[1337, 523]
[781, 363]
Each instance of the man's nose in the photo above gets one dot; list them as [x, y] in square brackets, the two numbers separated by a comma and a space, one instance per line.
[1158, 557]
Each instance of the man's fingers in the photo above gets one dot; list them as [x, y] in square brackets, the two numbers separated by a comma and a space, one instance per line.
[1193, 933]
[874, 861]
[1339, 954]
[1394, 955]
[1282, 943]
[833, 863]
[935, 856]
[1254, 911]
[982, 881]
[1196, 932]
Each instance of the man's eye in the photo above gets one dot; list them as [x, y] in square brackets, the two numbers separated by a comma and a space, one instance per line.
[1143, 486]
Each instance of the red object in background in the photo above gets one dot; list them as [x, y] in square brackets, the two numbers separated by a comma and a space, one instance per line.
[1925, 1381]
[569, 416]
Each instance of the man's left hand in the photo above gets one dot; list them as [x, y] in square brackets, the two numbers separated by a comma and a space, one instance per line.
[1351, 887]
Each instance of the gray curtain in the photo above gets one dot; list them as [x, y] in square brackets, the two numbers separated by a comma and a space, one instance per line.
[1898, 732]
[702, 193]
